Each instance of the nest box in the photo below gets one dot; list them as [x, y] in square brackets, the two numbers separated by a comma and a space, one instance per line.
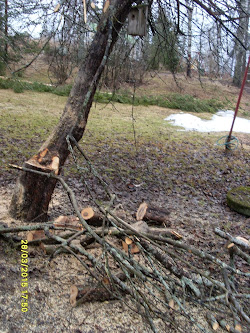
[137, 20]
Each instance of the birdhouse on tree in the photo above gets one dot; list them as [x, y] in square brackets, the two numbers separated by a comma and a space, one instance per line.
[137, 20]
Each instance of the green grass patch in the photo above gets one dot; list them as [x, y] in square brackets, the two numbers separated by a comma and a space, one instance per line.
[178, 101]
[182, 102]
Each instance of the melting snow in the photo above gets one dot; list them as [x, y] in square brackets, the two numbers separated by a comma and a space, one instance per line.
[220, 122]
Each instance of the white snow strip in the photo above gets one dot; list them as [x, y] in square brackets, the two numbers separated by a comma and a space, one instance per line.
[220, 122]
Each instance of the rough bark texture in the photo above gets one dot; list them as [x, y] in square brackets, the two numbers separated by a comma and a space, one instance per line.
[32, 192]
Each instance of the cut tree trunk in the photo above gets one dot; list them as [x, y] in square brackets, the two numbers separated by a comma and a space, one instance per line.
[92, 217]
[153, 214]
[33, 192]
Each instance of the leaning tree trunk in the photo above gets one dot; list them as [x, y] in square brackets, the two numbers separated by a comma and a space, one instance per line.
[33, 192]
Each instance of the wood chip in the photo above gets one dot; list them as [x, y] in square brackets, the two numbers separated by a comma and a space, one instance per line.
[130, 247]
[57, 8]
[105, 280]
[106, 6]
[73, 295]
[141, 211]
[238, 327]
[135, 249]
[215, 326]
[55, 164]
[128, 241]
[42, 154]
[171, 304]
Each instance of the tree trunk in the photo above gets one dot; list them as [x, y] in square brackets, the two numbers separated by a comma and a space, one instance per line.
[33, 192]
[242, 34]
[6, 31]
[189, 55]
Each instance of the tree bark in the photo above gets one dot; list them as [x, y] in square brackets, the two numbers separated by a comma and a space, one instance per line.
[242, 34]
[189, 53]
[6, 31]
[33, 192]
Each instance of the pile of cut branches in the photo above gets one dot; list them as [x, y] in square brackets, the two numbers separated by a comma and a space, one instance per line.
[151, 270]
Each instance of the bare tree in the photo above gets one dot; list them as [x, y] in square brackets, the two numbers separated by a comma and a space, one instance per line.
[33, 192]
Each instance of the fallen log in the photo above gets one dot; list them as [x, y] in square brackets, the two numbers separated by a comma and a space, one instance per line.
[153, 214]
[93, 218]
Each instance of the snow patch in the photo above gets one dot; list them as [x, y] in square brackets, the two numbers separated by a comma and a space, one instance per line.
[220, 122]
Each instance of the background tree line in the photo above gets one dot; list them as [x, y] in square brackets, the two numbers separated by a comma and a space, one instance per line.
[209, 37]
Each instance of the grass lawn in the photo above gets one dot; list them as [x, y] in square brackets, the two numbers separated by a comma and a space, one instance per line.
[146, 149]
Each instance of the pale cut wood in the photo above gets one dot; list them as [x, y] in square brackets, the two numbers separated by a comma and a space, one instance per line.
[87, 213]
[128, 241]
[238, 327]
[42, 155]
[243, 240]
[141, 211]
[132, 248]
[171, 304]
[153, 214]
[176, 235]
[106, 6]
[73, 295]
[84, 11]
[92, 5]
[55, 164]
[57, 8]
[70, 221]
[94, 218]
[212, 321]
